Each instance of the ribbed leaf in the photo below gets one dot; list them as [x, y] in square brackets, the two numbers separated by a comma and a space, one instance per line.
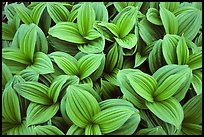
[81, 106]
[65, 62]
[57, 11]
[38, 114]
[88, 64]
[158, 130]
[37, 11]
[93, 46]
[121, 5]
[33, 91]
[195, 60]
[143, 84]
[169, 45]
[128, 42]
[171, 6]
[11, 106]
[16, 55]
[197, 81]
[111, 27]
[92, 34]
[10, 11]
[100, 11]
[75, 130]
[23, 13]
[6, 74]
[67, 31]
[92, 130]
[182, 51]
[153, 16]
[168, 110]
[29, 74]
[42, 63]
[7, 32]
[125, 20]
[48, 130]
[128, 90]
[169, 86]
[112, 118]
[189, 23]
[193, 110]
[85, 18]
[139, 59]
[169, 21]
[191, 129]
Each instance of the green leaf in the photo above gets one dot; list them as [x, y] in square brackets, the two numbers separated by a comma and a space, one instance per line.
[101, 11]
[193, 110]
[169, 21]
[128, 90]
[57, 85]
[14, 54]
[126, 20]
[57, 11]
[192, 129]
[88, 64]
[112, 77]
[42, 63]
[195, 60]
[169, 87]
[93, 46]
[7, 32]
[37, 12]
[85, 18]
[29, 74]
[10, 11]
[171, 6]
[182, 52]
[23, 13]
[158, 130]
[139, 59]
[92, 130]
[6, 74]
[48, 130]
[92, 34]
[189, 23]
[112, 118]
[111, 27]
[75, 130]
[128, 42]
[11, 106]
[121, 5]
[129, 127]
[168, 110]
[169, 45]
[153, 16]
[197, 81]
[143, 84]
[33, 91]
[67, 31]
[65, 62]
[38, 114]
[81, 106]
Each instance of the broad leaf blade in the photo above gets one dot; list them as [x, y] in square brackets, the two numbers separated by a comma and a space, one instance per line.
[48, 130]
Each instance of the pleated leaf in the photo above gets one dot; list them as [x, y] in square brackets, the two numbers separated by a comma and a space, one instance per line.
[81, 106]
[65, 62]
[37, 11]
[114, 29]
[34, 91]
[169, 21]
[42, 63]
[193, 110]
[195, 60]
[67, 31]
[57, 11]
[139, 59]
[48, 130]
[125, 20]
[92, 34]
[92, 130]
[11, 106]
[75, 130]
[88, 64]
[128, 90]
[169, 86]
[85, 18]
[143, 84]
[182, 51]
[23, 13]
[29, 74]
[112, 118]
[101, 11]
[128, 42]
[169, 111]
[197, 81]
[169, 45]
[6, 74]
[121, 5]
[38, 114]
[7, 32]
[153, 16]
[171, 6]
[158, 130]
[191, 129]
